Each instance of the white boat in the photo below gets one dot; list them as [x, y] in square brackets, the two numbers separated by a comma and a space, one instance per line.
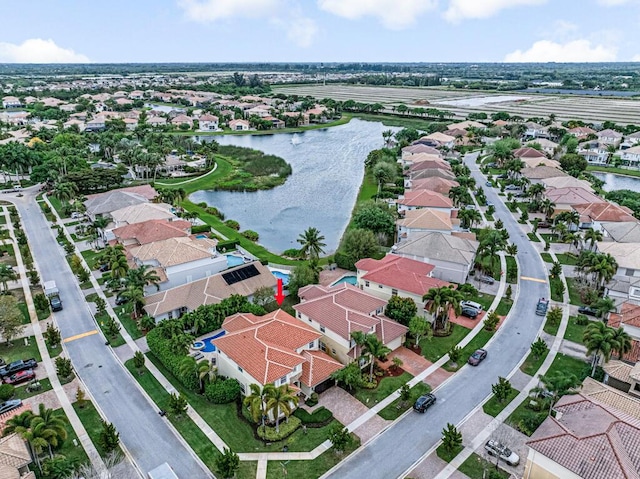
[295, 139]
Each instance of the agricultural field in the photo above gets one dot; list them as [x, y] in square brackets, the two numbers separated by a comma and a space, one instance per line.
[527, 105]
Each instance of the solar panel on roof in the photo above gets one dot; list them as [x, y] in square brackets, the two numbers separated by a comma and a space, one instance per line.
[241, 274]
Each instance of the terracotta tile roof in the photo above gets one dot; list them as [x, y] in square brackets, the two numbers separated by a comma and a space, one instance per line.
[527, 152]
[425, 199]
[609, 133]
[400, 273]
[633, 356]
[592, 440]
[152, 230]
[428, 163]
[535, 162]
[440, 137]
[606, 212]
[581, 131]
[344, 309]
[267, 349]
[629, 314]
[435, 183]
[174, 251]
[567, 182]
[318, 367]
[137, 213]
[210, 290]
[572, 196]
[431, 172]
[618, 370]
[542, 172]
[420, 148]
[610, 396]
[427, 219]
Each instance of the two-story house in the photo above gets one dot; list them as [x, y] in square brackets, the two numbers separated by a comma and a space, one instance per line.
[11, 102]
[273, 349]
[592, 215]
[609, 137]
[631, 156]
[425, 220]
[414, 200]
[435, 184]
[395, 275]
[627, 255]
[340, 310]
[208, 123]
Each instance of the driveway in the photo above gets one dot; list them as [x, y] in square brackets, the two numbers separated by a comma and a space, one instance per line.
[346, 409]
[414, 364]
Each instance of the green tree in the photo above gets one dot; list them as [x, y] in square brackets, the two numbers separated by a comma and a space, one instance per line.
[623, 341]
[146, 323]
[340, 437]
[101, 305]
[177, 404]
[312, 243]
[419, 327]
[41, 302]
[359, 243]
[451, 438]
[64, 367]
[604, 305]
[301, 276]
[376, 217]
[401, 309]
[554, 316]
[139, 360]
[508, 293]
[454, 354]
[227, 463]
[573, 164]
[81, 397]
[556, 270]
[558, 384]
[109, 437]
[263, 296]
[256, 401]
[600, 341]
[52, 336]
[10, 318]
[6, 274]
[384, 173]
[501, 389]
[539, 348]
[592, 236]
[281, 400]
[111, 327]
[350, 376]
[491, 321]
[372, 347]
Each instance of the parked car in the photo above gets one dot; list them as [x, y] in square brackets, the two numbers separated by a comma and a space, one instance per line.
[494, 448]
[587, 310]
[469, 312]
[486, 279]
[121, 300]
[103, 268]
[471, 304]
[488, 203]
[544, 224]
[75, 215]
[20, 377]
[492, 165]
[488, 183]
[18, 366]
[10, 405]
[477, 357]
[424, 402]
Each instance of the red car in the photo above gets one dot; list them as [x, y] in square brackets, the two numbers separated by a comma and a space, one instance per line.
[20, 377]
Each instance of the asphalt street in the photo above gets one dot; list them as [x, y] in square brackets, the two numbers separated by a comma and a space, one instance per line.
[394, 451]
[145, 434]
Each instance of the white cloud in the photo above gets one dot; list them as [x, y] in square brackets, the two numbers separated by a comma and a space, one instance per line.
[461, 9]
[573, 51]
[212, 10]
[37, 50]
[613, 3]
[300, 30]
[393, 14]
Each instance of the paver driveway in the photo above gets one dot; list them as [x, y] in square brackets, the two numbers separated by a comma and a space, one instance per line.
[414, 364]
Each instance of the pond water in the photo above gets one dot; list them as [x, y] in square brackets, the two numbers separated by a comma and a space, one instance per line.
[618, 182]
[328, 167]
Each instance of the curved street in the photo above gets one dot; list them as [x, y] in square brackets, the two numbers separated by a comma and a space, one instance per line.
[145, 434]
[392, 453]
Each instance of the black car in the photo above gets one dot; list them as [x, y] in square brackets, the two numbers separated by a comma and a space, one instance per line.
[121, 300]
[588, 311]
[424, 402]
[469, 312]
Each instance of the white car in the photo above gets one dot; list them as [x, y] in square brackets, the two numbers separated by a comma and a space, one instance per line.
[494, 448]
[75, 215]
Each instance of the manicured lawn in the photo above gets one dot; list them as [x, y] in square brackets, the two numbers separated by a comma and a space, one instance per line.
[19, 350]
[611, 169]
[309, 469]
[395, 120]
[437, 347]
[551, 329]
[556, 288]
[130, 324]
[448, 456]
[533, 237]
[237, 433]
[574, 295]
[570, 365]
[504, 306]
[371, 397]
[492, 407]
[512, 270]
[208, 181]
[493, 269]
[568, 259]
[546, 257]
[477, 342]
[574, 331]
[531, 364]
[475, 467]
[397, 408]
[114, 342]
[57, 204]
[26, 319]
[527, 420]
[90, 257]
[22, 393]
[68, 450]
[53, 352]
[548, 237]
[92, 422]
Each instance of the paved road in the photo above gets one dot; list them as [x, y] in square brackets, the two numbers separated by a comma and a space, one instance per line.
[393, 452]
[145, 434]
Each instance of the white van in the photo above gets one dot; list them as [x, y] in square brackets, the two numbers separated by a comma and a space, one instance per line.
[471, 304]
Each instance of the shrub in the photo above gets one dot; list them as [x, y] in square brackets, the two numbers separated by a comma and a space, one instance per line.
[6, 392]
[320, 415]
[225, 246]
[222, 391]
[212, 210]
[313, 400]
[344, 261]
[233, 224]
[582, 320]
[291, 253]
[250, 235]
[287, 428]
[200, 229]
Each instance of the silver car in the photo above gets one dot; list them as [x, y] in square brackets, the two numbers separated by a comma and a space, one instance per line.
[494, 448]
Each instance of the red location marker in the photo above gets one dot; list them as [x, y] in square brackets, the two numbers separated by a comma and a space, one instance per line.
[279, 295]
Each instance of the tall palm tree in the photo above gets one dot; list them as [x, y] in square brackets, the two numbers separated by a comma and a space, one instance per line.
[119, 266]
[468, 217]
[592, 236]
[436, 299]
[6, 274]
[623, 342]
[604, 305]
[281, 400]
[536, 190]
[135, 295]
[558, 384]
[599, 340]
[547, 207]
[312, 243]
[376, 350]
[50, 426]
[206, 372]
[143, 275]
[65, 191]
[256, 401]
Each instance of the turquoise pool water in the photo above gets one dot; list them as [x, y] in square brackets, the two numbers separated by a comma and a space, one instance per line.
[201, 236]
[208, 345]
[281, 275]
[233, 260]
[347, 279]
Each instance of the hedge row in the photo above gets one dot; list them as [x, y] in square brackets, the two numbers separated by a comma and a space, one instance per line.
[286, 428]
[222, 391]
[200, 229]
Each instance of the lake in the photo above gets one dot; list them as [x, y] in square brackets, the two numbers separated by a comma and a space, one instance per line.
[618, 182]
[328, 167]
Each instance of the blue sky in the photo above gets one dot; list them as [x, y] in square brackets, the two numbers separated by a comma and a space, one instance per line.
[42, 31]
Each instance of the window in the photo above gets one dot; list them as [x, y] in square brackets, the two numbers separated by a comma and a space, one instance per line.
[283, 380]
[322, 346]
[243, 388]
[366, 283]
[380, 286]
[322, 329]
[298, 314]
[394, 292]
[333, 351]
[312, 344]
[240, 369]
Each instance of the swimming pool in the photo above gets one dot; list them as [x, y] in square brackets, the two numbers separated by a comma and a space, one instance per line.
[233, 260]
[347, 279]
[208, 345]
[281, 275]
[201, 236]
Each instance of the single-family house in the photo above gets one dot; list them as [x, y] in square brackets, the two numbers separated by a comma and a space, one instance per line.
[410, 160]
[435, 184]
[535, 130]
[429, 173]
[567, 182]
[11, 102]
[244, 280]
[138, 234]
[181, 119]
[74, 122]
[442, 139]
[208, 123]
[593, 214]
[97, 123]
[337, 311]
[425, 220]
[631, 156]
[425, 163]
[273, 349]
[239, 125]
[626, 232]
[535, 162]
[130, 123]
[15, 457]
[610, 396]
[261, 111]
[584, 439]
[156, 121]
[632, 139]
[140, 212]
[396, 275]
[104, 203]
[452, 256]
[548, 146]
[627, 255]
[465, 125]
[528, 152]
[409, 151]
[413, 200]
[581, 132]
[538, 174]
[566, 198]
[609, 137]
[623, 376]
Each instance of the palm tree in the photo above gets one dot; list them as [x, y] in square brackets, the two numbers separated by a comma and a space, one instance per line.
[119, 266]
[536, 190]
[468, 217]
[256, 401]
[547, 207]
[558, 384]
[376, 350]
[604, 305]
[6, 274]
[592, 236]
[599, 340]
[135, 295]
[50, 426]
[436, 299]
[206, 371]
[312, 243]
[143, 275]
[491, 242]
[512, 249]
[623, 341]
[281, 400]
[65, 191]
[100, 223]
